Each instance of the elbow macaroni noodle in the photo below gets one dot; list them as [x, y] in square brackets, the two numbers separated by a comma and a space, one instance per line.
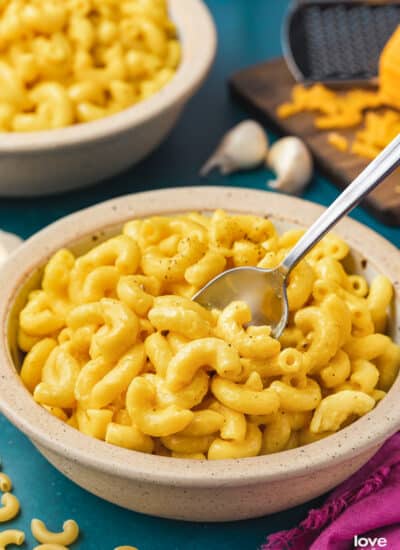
[116, 348]
[67, 536]
[63, 62]
[11, 536]
[10, 507]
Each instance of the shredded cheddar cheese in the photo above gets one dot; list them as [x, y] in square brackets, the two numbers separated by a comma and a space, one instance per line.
[379, 129]
[377, 109]
[338, 141]
[335, 110]
[364, 149]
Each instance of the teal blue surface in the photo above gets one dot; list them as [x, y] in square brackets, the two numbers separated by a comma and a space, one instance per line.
[248, 33]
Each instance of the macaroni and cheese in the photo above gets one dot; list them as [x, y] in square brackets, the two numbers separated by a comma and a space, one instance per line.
[64, 62]
[116, 348]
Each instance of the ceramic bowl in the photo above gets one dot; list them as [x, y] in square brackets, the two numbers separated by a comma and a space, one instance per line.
[48, 162]
[170, 487]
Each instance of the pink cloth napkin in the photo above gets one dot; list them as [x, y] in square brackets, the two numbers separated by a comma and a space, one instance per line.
[367, 505]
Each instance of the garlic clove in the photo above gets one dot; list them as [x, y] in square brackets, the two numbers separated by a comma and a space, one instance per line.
[244, 146]
[292, 162]
[8, 243]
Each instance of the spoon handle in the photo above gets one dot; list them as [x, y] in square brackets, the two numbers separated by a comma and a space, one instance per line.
[369, 178]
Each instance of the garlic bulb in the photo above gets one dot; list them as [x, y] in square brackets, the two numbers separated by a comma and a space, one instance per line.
[244, 146]
[292, 162]
[8, 243]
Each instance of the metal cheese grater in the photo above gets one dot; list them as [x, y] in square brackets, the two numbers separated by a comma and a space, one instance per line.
[338, 42]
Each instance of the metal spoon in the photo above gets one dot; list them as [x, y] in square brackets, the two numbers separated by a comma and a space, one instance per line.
[265, 289]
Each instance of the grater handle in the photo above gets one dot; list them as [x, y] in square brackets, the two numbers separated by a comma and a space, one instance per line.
[370, 177]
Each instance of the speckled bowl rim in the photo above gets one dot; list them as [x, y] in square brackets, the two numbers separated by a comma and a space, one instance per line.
[199, 38]
[46, 431]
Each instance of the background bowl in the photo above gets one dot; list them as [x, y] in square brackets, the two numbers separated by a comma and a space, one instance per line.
[176, 488]
[38, 163]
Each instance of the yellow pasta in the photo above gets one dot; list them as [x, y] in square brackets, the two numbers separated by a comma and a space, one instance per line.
[67, 536]
[250, 446]
[116, 348]
[276, 434]
[11, 536]
[50, 541]
[5, 483]
[9, 508]
[62, 63]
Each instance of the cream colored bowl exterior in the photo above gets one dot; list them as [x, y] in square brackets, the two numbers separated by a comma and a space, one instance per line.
[49, 162]
[184, 489]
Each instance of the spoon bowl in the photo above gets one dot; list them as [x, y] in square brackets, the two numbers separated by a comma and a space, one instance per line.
[264, 290]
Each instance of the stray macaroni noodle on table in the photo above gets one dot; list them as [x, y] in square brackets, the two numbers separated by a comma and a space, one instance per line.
[48, 540]
[64, 62]
[116, 348]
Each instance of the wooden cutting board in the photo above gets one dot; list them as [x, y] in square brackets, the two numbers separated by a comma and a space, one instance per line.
[263, 87]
